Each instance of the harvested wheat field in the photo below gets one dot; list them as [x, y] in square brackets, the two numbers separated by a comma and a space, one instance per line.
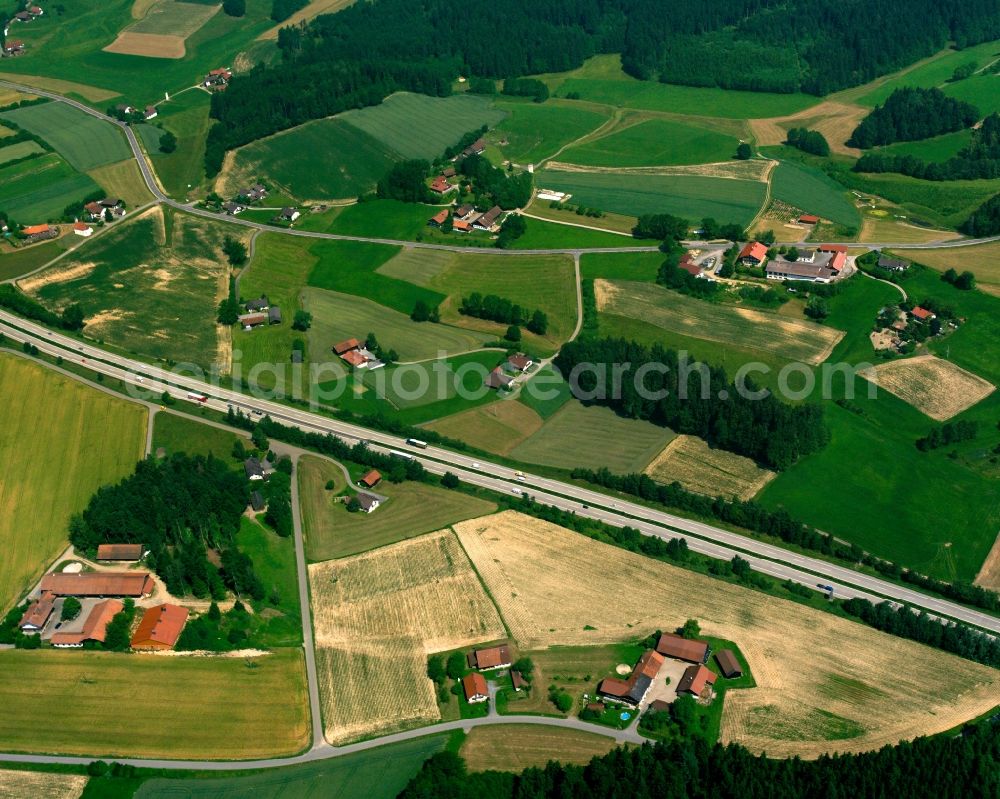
[40, 785]
[786, 338]
[836, 121]
[151, 45]
[497, 427]
[824, 684]
[989, 574]
[515, 747]
[713, 472]
[756, 169]
[933, 386]
[377, 618]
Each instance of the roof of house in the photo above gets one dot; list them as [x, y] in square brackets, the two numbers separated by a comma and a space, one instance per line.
[258, 304]
[728, 663]
[497, 379]
[695, 679]
[274, 314]
[517, 680]
[32, 230]
[833, 248]
[440, 184]
[597, 707]
[367, 501]
[252, 467]
[371, 478]
[93, 208]
[344, 346]
[921, 313]
[493, 656]
[838, 261]
[119, 552]
[755, 250]
[288, 213]
[659, 705]
[490, 217]
[440, 217]
[676, 646]
[95, 626]
[256, 318]
[99, 584]
[519, 361]
[161, 626]
[461, 225]
[888, 262]
[634, 688]
[354, 358]
[257, 500]
[465, 209]
[81, 226]
[809, 219]
[14, 44]
[688, 265]
[780, 266]
[221, 71]
[474, 685]
[39, 611]
[449, 172]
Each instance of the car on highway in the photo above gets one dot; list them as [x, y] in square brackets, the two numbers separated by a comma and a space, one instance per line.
[825, 587]
[516, 491]
[519, 476]
[256, 412]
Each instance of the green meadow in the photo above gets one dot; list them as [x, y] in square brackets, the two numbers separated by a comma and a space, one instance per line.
[621, 266]
[15, 152]
[38, 189]
[417, 126]
[84, 141]
[689, 196]
[186, 116]
[812, 191]
[937, 148]
[653, 142]
[534, 131]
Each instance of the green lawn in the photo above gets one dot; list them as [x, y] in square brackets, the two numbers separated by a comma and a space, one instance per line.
[337, 317]
[546, 392]
[417, 126]
[654, 142]
[621, 266]
[983, 91]
[40, 188]
[690, 196]
[14, 263]
[537, 130]
[150, 288]
[274, 561]
[379, 773]
[388, 219]
[411, 510]
[67, 440]
[601, 80]
[810, 190]
[179, 434]
[543, 235]
[433, 389]
[81, 139]
[937, 148]
[172, 18]
[353, 160]
[186, 116]
[592, 437]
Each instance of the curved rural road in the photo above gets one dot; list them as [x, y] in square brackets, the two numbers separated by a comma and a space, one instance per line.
[151, 183]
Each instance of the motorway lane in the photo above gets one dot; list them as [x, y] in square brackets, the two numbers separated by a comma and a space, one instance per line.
[764, 557]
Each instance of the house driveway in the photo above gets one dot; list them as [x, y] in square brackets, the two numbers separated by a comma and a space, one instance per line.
[674, 669]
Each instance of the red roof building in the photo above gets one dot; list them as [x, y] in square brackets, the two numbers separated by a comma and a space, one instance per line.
[688, 265]
[754, 252]
[34, 230]
[922, 314]
[475, 687]
[695, 680]
[354, 358]
[38, 613]
[832, 248]
[440, 185]
[460, 226]
[370, 479]
[494, 657]
[134, 584]
[160, 627]
[439, 218]
[676, 646]
[94, 628]
[808, 219]
[346, 346]
[122, 552]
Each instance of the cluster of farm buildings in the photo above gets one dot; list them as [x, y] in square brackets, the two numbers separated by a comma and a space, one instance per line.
[259, 312]
[503, 376]
[15, 47]
[107, 209]
[252, 195]
[464, 218]
[824, 264]
[100, 594]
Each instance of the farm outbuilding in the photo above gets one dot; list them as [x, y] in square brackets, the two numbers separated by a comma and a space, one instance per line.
[94, 628]
[695, 680]
[160, 627]
[126, 553]
[728, 664]
[134, 584]
[676, 646]
[494, 657]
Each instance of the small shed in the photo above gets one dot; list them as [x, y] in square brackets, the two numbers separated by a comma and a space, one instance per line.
[728, 664]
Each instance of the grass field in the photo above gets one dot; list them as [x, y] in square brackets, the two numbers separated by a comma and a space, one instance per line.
[982, 259]
[180, 434]
[813, 192]
[513, 747]
[186, 116]
[497, 427]
[778, 336]
[15, 152]
[236, 712]
[578, 435]
[653, 142]
[536, 131]
[124, 181]
[411, 510]
[85, 142]
[67, 440]
[643, 266]
[601, 80]
[713, 472]
[545, 235]
[390, 219]
[274, 561]
[937, 148]
[353, 161]
[40, 785]
[40, 188]
[933, 386]
[689, 196]
[373, 774]
[150, 287]
[983, 91]
[377, 617]
[341, 316]
[352, 268]
[535, 282]
[162, 30]
[418, 126]
[803, 660]
[876, 229]
[14, 263]
[618, 223]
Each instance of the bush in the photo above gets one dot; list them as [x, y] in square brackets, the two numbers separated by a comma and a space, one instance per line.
[168, 141]
[71, 608]
[234, 8]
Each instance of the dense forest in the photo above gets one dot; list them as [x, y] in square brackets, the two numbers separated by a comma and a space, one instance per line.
[176, 508]
[944, 767]
[700, 402]
[369, 50]
[910, 114]
[985, 220]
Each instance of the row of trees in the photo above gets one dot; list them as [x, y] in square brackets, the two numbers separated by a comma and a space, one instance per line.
[526, 87]
[13, 299]
[947, 434]
[500, 309]
[912, 113]
[696, 399]
[691, 768]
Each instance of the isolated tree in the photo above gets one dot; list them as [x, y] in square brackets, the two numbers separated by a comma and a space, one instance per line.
[817, 308]
[450, 480]
[72, 317]
[744, 152]
[168, 142]
[965, 281]
[235, 251]
[302, 321]
[435, 669]
[353, 505]
[513, 333]
[538, 323]
[71, 608]
[420, 313]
